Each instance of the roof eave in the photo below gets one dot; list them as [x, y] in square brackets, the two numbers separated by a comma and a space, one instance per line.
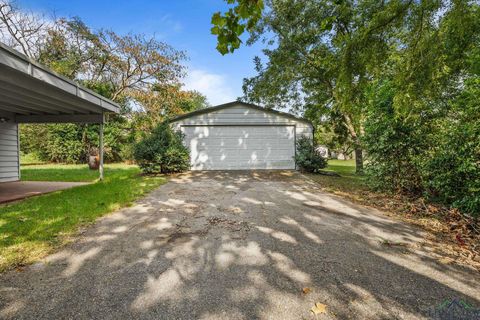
[21, 63]
[232, 103]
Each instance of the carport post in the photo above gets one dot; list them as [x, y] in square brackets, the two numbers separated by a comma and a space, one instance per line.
[100, 167]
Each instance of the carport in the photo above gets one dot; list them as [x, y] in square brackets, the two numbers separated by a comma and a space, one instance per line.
[31, 93]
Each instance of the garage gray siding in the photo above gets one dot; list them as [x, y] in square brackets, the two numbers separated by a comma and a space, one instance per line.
[9, 146]
[242, 137]
[242, 114]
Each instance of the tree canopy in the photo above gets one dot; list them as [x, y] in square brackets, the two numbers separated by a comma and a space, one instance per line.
[323, 55]
[142, 74]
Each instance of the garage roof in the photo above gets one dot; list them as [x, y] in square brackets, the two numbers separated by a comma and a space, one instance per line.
[34, 93]
[236, 103]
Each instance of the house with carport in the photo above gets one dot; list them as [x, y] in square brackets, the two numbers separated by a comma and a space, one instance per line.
[31, 93]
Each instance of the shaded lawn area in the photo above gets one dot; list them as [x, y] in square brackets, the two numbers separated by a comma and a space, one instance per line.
[348, 182]
[30, 159]
[34, 227]
[72, 172]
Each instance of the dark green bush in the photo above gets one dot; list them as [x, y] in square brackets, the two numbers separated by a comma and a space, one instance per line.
[452, 169]
[435, 154]
[162, 151]
[64, 143]
[72, 143]
[307, 158]
[394, 145]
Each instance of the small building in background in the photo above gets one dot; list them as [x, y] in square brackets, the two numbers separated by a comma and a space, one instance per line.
[323, 151]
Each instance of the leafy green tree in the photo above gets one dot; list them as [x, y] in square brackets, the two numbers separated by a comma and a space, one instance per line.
[229, 26]
[33, 141]
[395, 144]
[325, 54]
[451, 166]
[323, 57]
[330, 131]
[142, 74]
[435, 155]
[164, 102]
[64, 143]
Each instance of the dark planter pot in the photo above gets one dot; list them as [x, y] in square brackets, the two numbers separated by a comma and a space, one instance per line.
[93, 162]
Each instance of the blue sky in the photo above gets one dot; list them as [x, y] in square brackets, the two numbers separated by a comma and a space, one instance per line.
[184, 24]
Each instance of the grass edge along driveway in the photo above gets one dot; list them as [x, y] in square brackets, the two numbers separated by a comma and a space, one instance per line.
[34, 227]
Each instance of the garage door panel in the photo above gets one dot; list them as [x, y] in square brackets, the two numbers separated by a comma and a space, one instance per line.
[240, 147]
[242, 131]
[251, 155]
[235, 151]
[234, 145]
[235, 140]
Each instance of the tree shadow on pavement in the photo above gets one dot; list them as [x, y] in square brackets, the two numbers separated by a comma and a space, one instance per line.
[239, 245]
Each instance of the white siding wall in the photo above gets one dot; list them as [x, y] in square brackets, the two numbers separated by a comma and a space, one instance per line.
[242, 137]
[9, 155]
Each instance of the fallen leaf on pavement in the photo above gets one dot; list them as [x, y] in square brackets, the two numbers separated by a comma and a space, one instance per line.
[306, 290]
[319, 308]
[460, 241]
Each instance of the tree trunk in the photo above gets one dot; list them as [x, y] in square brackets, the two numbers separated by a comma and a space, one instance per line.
[358, 160]
[356, 142]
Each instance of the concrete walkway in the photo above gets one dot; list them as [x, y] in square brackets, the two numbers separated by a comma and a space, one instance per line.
[17, 190]
[239, 246]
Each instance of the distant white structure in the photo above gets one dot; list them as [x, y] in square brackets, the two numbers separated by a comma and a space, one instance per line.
[341, 155]
[323, 151]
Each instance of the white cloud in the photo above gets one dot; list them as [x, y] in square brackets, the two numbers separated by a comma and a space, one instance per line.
[171, 23]
[214, 86]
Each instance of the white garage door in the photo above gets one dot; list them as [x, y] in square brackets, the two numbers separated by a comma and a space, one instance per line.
[240, 147]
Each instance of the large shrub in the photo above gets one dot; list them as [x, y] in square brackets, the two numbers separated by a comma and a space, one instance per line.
[307, 158]
[72, 143]
[393, 144]
[452, 169]
[434, 154]
[64, 143]
[162, 151]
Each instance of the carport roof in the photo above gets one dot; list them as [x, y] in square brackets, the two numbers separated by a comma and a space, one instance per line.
[34, 93]
[234, 103]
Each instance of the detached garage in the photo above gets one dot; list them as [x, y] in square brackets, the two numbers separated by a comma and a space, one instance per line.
[241, 136]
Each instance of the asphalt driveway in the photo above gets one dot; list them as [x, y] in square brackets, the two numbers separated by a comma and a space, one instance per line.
[239, 245]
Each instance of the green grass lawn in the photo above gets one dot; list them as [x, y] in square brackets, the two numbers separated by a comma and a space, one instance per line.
[30, 159]
[71, 172]
[343, 167]
[34, 227]
[348, 180]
